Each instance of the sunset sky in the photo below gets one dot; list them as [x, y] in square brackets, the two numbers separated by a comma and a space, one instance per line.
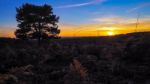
[85, 17]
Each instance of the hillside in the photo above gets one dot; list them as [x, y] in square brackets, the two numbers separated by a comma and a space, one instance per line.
[121, 59]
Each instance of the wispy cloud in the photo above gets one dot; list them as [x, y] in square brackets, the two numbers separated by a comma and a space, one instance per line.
[139, 7]
[109, 20]
[81, 4]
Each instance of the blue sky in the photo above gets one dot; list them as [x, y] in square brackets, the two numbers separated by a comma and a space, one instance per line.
[76, 15]
[78, 12]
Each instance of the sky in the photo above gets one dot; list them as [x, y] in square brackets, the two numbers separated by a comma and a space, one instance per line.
[85, 17]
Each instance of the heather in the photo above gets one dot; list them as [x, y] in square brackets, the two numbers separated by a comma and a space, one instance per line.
[122, 59]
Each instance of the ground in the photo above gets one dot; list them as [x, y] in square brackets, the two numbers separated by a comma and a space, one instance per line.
[122, 59]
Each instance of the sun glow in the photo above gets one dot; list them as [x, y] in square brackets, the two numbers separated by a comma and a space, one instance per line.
[110, 33]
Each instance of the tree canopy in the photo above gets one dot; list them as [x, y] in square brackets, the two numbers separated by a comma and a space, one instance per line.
[36, 22]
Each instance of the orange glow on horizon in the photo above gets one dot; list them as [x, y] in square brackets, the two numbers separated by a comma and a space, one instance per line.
[89, 30]
[10, 34]
[7, 32]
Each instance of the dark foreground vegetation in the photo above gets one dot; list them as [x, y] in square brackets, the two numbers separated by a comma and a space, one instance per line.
[123, 59]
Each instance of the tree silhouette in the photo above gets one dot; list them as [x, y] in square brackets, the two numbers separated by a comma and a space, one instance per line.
[36, 22]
